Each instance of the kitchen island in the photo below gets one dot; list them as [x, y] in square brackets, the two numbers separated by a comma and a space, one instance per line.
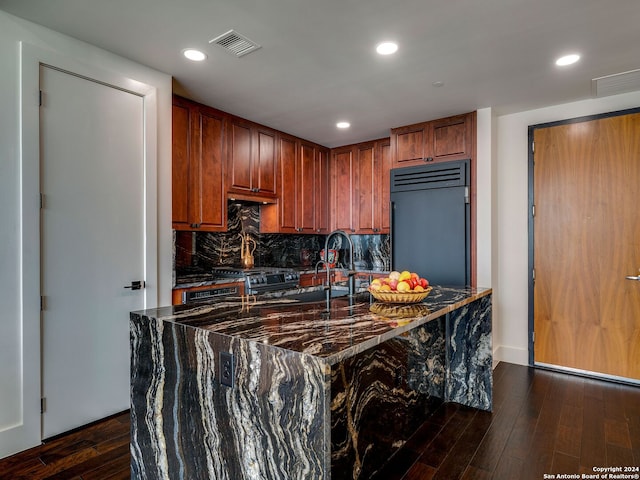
[272, 388]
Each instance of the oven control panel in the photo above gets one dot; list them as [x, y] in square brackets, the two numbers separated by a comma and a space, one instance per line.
[258, 282]
[206, 292]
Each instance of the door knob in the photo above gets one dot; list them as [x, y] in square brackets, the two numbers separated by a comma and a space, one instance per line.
[135, 285]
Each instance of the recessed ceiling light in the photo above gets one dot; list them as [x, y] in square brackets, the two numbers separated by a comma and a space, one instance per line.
[387, 48]
[567, 60]
[343, 124]
[193, 54]
[438, 83]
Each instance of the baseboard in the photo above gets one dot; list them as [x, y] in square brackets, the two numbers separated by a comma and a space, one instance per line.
[519, 356]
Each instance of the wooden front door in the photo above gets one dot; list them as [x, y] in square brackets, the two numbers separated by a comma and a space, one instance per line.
[586, 241]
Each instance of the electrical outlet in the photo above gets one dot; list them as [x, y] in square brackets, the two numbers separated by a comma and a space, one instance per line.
[226, 369]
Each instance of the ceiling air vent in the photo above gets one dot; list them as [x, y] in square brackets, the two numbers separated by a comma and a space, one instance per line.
[616, 83]
[235, 43]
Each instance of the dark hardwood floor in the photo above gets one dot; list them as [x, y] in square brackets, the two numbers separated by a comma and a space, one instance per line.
[542, 422]
[96, 452]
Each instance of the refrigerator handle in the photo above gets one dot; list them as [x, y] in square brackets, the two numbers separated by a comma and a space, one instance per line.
[392, 206]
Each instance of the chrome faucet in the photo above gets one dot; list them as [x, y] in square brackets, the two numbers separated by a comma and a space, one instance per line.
[351, 272]
[318, 263]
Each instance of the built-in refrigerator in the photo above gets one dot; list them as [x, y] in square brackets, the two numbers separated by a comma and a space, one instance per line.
[430, 228]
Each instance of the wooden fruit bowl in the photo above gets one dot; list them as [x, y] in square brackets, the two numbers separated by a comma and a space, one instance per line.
[400, 297]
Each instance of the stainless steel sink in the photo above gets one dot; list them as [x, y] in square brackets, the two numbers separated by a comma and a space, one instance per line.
[320, 295]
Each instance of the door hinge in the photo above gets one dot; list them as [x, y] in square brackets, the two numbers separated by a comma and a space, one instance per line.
[43, 303]
[533, 147]
[40, 98]
[43, 404]
[533, 337]
[466, 194]
[533, 210]
[42, 200]
[533, 275]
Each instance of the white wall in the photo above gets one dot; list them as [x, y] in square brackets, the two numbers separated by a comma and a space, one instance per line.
[12, 324]
[486, 209]
[511, 307]
[485, 203]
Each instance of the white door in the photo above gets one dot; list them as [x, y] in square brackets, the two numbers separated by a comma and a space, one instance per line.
[92, 245]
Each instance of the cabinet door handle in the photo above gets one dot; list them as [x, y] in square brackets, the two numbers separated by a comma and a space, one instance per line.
[428, 159]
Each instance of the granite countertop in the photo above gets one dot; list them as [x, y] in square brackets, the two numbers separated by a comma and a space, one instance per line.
[333, 330]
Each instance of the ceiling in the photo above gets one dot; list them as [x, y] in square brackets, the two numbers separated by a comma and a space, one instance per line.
[318, 65]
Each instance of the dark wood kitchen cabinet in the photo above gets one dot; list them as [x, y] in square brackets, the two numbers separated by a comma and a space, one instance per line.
[282, 217]
[360, 187]
[303, 187]
[198, 167]
[251, 160]
[322, 222]
[441, 140]
[373, 187]
[305, 181]
[343, 171]
[384, 185]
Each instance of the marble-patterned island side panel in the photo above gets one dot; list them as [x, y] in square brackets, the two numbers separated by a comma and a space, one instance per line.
[470, 355]
[381, 396]
[185, 425]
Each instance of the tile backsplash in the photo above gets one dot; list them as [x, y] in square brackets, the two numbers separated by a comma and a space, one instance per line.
[201, 251]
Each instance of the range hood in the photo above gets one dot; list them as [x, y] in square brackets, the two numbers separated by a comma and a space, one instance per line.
[250, 198]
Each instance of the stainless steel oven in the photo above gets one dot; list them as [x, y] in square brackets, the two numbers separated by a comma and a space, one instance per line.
[260, 279]
[202, 295]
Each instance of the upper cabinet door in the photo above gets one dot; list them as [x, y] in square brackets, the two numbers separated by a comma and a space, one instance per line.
[383, 198]
[198, 196]
[322, 223]
[252, 160]
[306, 188]
[343, 173]
[287, 204]
[367, 191]
[210, 151]
[371, 208]
[265, 163]
[452, 138]
[181, 153]
[240, 162]
[409, 143]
